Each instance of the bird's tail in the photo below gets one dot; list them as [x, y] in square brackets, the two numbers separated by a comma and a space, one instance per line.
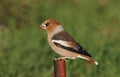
[91, 61]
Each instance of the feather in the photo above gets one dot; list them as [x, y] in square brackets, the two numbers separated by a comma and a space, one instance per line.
[76, 48]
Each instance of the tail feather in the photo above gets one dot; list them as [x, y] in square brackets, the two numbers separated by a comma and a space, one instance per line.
[91, 61]
[96, 62]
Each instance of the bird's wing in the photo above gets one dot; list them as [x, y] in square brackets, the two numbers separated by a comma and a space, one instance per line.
[65, 41]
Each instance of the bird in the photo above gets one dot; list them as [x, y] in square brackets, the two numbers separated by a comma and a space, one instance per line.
[63, 43]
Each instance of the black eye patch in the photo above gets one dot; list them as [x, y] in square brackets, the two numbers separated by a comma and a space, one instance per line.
[47, 24]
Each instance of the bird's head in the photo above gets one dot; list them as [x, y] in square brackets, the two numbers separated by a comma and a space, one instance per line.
[50, 25]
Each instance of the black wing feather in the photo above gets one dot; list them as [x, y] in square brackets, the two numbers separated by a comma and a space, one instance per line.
[66, 37]
[77, 49]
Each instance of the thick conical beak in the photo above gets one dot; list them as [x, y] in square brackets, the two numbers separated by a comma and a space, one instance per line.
[42, 26]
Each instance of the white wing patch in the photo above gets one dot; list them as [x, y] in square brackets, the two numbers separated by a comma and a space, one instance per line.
[64, 43]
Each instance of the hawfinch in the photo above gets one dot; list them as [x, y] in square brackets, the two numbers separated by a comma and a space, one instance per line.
[63, 44]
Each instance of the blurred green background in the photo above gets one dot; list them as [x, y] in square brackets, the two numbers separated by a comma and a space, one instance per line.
[24, 50]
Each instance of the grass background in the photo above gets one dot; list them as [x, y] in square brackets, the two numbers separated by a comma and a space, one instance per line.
[24, 50]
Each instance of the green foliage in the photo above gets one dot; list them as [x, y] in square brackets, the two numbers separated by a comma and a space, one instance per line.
[24, 50]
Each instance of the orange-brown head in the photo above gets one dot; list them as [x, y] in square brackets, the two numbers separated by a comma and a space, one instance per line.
[50, 25]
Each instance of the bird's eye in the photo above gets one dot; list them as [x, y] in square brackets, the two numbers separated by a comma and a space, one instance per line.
[47, 24]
